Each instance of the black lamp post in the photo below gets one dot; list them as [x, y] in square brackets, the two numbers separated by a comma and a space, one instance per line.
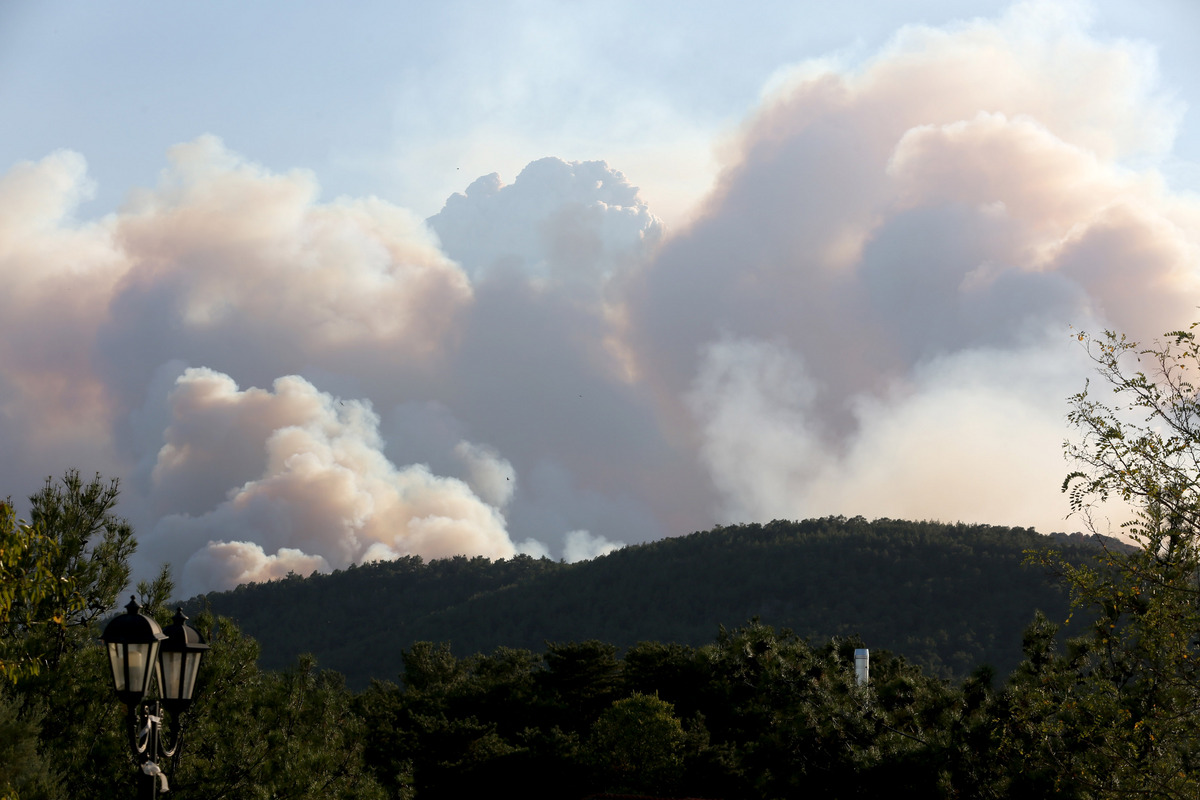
[137, 649]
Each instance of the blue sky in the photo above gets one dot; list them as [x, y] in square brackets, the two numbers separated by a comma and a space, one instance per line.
[324, 286]
[394, 98]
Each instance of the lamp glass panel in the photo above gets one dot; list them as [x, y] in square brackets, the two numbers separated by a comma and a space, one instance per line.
[191, 669]
[116, 660]
[139, 665]
[135, 666]
[172, 674]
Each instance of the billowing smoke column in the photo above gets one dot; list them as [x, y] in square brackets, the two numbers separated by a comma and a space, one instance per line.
[289, 385]
[869, 315]
[317, 492]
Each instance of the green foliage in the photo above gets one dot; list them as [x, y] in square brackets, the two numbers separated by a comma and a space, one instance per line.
[24, 773]
[580, 679]
[249, 733]
[364, 617]
[76, 541]
[1142, 448]
[256, 734]
[759, 713]
[33, 596]
[83, 726]
[86, 544]
[948, 597]
[155, 596]
[1114, 715]
[638, 744]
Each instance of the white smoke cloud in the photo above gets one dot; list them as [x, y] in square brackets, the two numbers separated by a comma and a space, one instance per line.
[314, 487]
[227, 564]
[754, 402]
[952, 440]
[534, 549]
[583, 546]
[238, 268]
[229, 265]
[958, 440]
[869, 316]
[491, 477]
[568, 223]
[57, 274]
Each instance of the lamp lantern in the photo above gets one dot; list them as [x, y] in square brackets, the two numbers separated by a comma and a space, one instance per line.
[179, 663]
[133, 640]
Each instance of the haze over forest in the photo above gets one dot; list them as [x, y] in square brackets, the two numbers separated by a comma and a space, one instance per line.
[582, 290]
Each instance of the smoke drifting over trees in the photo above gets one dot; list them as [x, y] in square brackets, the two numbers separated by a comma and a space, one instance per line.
[868, 315]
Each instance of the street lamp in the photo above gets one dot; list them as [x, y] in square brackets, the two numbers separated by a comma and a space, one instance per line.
[179, 663]
[137, 649]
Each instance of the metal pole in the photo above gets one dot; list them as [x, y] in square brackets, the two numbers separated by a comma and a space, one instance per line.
[148, 782]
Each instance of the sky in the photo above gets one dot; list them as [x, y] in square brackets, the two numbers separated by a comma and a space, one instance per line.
[321, 287]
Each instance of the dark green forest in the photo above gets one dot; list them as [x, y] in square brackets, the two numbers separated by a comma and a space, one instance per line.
[947, 597]
[752, 710]
[718, 665]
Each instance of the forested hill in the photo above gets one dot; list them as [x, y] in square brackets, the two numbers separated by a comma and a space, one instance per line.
[947, 597]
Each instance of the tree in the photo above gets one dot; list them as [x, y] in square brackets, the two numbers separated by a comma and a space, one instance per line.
[24, 772]
[1114, 716]
[581, 679]
[63, 571]
[263, 734]
[638, 744]
[84, 544]
[33, 597]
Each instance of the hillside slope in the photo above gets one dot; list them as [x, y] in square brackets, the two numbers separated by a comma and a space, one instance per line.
[948, 597]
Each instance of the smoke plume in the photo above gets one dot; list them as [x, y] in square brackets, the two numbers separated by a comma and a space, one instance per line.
[870, 314]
